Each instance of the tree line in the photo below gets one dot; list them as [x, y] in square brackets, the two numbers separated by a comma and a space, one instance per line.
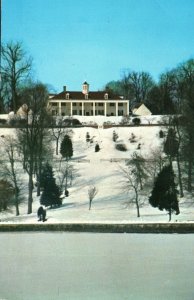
[170, 95]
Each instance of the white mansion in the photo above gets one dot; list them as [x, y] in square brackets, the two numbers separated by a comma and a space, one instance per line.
[86, 103]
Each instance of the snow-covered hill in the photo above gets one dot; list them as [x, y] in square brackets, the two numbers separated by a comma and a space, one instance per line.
[103, 170]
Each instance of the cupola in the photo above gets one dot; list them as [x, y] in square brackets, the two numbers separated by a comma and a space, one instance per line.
[85, 88]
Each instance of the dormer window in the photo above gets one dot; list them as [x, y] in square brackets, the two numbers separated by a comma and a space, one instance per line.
[67, 96]
[106, 96]
[86, 96]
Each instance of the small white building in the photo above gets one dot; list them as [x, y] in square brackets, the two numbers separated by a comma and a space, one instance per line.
[88, 103]
[141, 110]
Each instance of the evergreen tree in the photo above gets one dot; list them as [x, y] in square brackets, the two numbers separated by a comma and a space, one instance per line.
[87, 137]
[97, 148]
[115, 136]
[51, 192]
[171, 144]
[164, 193]
[66, 149]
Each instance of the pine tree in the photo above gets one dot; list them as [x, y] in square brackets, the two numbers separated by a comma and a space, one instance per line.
[115, 136]
[164, 193]
[171, 144]
[87, 137]
[66, 149]
[97, 148]
[51, 192]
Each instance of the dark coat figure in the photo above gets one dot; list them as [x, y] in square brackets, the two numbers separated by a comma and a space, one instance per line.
[41, 213]
[66, 193]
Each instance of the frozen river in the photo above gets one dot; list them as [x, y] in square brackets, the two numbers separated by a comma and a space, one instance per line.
[87, 266]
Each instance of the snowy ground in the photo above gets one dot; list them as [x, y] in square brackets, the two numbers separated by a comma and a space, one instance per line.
[110, 204]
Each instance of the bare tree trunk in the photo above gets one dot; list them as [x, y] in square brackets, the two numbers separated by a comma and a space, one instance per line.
[137, 202]
[180, 176]
[38, 186]
[170, 215]
[57, 146]
[30, 190]
[189, 185]
[17, 206]
[90, 203]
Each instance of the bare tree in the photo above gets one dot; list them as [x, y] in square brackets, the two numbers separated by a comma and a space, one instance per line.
[185, 73]
[137, 85]
[173, 144]
[65, 174]
[92, 192]
[32, 136]
[16, 66]
[6, 194]
[58, 130]
[11, 169]
[155, 162]
[131, 182]
[139, 163]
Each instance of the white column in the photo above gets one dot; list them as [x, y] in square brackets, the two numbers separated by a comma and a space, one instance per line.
[105, 105]
[59, 109]
[116, 108]
[127, 108]
[93, 108]
[71, 109]
[82, 108]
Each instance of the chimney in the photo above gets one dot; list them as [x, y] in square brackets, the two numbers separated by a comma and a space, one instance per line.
[64, 88]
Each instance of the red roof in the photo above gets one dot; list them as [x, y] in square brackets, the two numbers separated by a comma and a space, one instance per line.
[91, 96]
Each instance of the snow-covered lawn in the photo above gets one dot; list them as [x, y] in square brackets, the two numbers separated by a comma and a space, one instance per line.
[96, 168]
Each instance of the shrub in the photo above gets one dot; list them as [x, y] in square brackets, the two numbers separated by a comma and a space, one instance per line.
[161, 134]
[97, 148]
[71, 122]
[3, 121]
[121, 147]
[136, 121]
[132, 139]
[125, 120]
[139, 147]
[87, 137]
[115, 136]
[17, 122]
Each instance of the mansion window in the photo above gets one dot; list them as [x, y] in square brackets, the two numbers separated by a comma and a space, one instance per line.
[74, 104]
[54, 112]
[100, 104]
[112, 104]
[67, 96]
[120, 104]
[100, 112]
[120, 112]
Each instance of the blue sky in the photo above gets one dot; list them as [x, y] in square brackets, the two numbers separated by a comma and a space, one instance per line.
[96, 40]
